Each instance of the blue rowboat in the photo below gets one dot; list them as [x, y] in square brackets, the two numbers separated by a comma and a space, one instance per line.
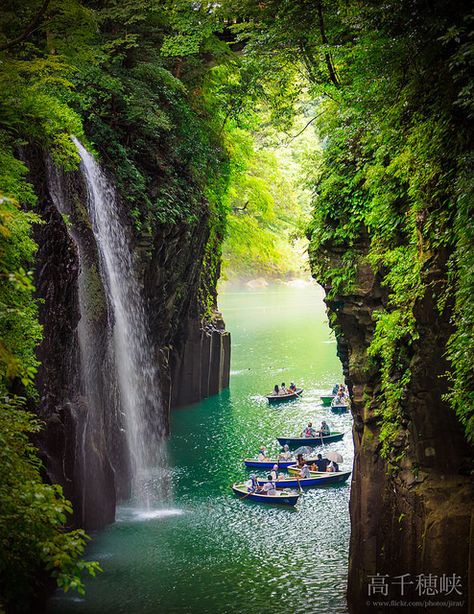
[281, 498]
[279, 398]
[317, 480]
[268, 464]
[327, 399]
[339, 409]
[295, 442]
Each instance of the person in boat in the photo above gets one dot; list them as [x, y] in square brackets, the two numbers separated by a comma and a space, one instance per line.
[274, 472]
[340, 398]
[283, 389]
[262, 454]
[321, 463]
[324, 430]
[335, 466]
[335, 389]
[252, 484]
[292, 387]
[305, 472]
[269, 488]
[286, 454]
[300, 461]
[276, 390]
[309, 431]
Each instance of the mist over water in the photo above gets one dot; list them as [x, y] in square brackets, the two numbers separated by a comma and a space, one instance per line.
[211, 553]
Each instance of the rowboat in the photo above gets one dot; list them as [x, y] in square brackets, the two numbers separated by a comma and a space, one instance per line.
[317, 480]
[327, 399]
[281, 498]
[268, 464]
[339, 409]
[294, 442]
[294, 470]
[278, 398]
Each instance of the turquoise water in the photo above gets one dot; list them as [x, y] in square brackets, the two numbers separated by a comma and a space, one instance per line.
[206, 551]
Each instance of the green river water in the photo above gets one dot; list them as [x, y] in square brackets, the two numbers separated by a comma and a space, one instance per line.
[206, 551]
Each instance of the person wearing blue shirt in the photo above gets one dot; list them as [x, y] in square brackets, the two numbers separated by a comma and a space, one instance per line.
[321, 463]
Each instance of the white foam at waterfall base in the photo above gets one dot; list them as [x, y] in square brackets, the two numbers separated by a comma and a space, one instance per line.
[135, 359]
[134, 514]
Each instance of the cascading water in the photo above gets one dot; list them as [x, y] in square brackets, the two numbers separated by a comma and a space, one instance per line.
[135, 362]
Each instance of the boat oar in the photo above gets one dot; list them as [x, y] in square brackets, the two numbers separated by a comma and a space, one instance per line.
[299, 485]
[245, 496]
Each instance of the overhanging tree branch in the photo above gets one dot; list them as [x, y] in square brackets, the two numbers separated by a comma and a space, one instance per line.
[30, 28]
[327, 56]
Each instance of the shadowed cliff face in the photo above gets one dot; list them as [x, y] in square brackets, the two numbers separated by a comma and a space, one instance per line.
[410, 513]
[83, 444]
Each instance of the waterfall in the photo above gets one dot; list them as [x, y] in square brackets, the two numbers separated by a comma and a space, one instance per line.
[134, 358]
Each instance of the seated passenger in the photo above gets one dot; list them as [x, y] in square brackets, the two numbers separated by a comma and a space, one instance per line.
[293, 387]
[300, 460]
[274, 472]
[321, 463]
[309, 430]
[276, 390]
[304, 472]
[286, 454]
[339, 399]
[269, 488]
[283, 389]
[335, 389]
[262, 454]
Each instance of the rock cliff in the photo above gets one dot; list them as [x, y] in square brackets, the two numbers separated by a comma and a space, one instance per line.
[83, 441]
[411, 513]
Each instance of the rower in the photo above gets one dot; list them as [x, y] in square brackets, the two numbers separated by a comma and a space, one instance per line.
[252, 484]
[293, 387]
[324, 430]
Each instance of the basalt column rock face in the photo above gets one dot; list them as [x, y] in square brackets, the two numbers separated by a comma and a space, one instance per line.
[83, 444]
[75, 399]
[412, 516]
[180, 285]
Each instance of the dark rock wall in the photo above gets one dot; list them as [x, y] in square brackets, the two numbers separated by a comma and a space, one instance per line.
[417, 517]
[82, 443]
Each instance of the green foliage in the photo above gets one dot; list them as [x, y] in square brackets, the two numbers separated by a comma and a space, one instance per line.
[392, 88]
[267, 211]
[32, 518]
[19, 328]
[461, 344]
